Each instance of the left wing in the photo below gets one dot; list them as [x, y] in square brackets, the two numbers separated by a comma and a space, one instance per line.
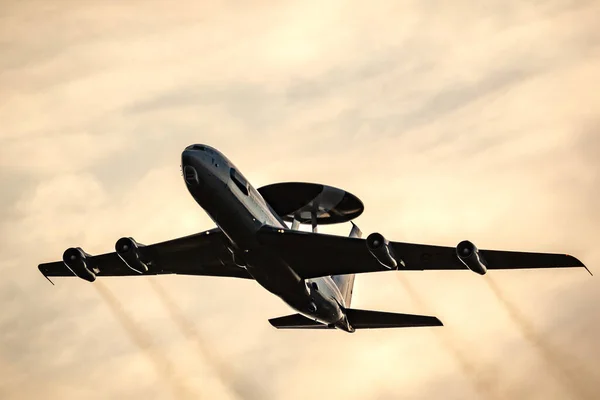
[313, 255]
[203, 253]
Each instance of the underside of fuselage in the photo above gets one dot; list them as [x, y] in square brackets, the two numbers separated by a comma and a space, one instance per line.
[240, 211]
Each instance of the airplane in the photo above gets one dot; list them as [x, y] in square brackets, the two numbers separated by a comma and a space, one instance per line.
[310, 271]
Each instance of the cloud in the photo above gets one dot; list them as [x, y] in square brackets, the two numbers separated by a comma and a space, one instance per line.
[448, 121]
[242, 388]
[164, 367]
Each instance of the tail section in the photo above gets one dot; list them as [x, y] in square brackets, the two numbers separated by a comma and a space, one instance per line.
[359, 319]
[346, 282]
[355, 319]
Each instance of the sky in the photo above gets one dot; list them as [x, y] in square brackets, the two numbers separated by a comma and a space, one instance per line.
[449, 121]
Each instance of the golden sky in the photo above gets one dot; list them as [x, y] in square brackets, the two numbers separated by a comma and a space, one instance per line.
[450, 120]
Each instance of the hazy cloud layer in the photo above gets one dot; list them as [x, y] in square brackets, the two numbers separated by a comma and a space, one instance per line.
[449, 121]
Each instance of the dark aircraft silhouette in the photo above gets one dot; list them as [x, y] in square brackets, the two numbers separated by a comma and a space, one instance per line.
[311, 272]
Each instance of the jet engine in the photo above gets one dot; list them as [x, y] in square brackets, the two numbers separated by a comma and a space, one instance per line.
[469, 255]
[129, 251]
[380, 249]
[76, 260]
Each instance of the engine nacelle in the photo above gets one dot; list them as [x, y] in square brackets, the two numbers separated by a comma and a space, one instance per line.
[380, 249]
[129, 251]
[76, 260]
[469, 255]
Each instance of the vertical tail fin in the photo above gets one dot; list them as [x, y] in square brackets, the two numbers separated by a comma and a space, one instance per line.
[346, 282]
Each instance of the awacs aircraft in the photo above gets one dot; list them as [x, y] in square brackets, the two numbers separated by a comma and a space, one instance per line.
[311, 272]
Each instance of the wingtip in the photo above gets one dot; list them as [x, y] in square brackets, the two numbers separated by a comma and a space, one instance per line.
[41, 269]
[580, 264]
[576, 262]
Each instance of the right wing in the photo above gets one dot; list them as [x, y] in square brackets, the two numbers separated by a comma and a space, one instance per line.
[203, 253]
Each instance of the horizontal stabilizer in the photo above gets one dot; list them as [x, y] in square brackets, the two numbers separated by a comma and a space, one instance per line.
[296, 321]
[365, 319]
[359, 319]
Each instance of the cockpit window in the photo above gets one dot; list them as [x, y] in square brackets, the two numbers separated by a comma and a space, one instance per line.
[239, 181]
[201, 148]
[196, 147]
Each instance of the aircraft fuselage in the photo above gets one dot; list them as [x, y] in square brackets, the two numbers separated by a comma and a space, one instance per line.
[240, 211]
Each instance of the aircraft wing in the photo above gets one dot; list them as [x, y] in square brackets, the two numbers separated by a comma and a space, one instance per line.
[203, 253]
[313, 255]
